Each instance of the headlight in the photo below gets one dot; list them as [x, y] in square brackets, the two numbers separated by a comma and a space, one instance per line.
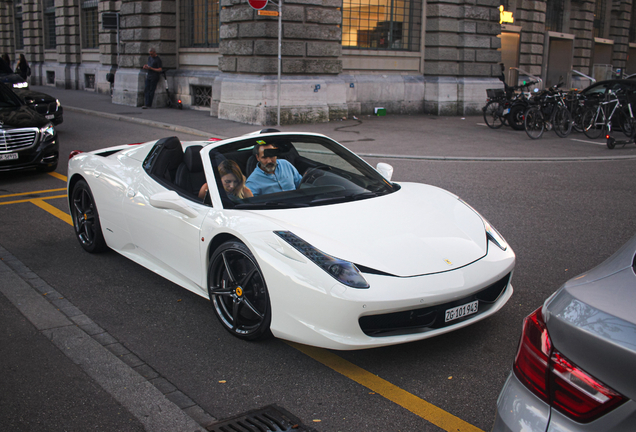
[494, 236]
[47, 131]
[343, 271]
[57, 102]
[491, 233]
[22, 84]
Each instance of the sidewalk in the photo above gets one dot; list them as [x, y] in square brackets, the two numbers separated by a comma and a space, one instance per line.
[61, 372]
[392, 136]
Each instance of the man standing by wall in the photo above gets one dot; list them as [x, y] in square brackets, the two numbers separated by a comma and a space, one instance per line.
[154, 70]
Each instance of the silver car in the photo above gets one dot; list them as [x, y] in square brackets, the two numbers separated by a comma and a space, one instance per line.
[575, 368]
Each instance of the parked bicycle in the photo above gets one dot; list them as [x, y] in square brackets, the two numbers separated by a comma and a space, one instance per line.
[506, 105]
[548, 112]
[615, 107]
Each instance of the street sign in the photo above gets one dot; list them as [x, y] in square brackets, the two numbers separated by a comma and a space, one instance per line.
[257, 4]
[268, 13]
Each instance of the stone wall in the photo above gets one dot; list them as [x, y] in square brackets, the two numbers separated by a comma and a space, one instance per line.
[311, 38]
[32, 27]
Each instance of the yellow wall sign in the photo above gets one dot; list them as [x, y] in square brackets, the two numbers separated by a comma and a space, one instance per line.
[268, 13]
[505, 17]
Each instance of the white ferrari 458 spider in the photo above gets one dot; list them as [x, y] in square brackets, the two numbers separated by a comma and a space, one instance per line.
[338, 257]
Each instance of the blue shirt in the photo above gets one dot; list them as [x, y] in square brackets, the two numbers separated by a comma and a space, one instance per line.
[284, 178]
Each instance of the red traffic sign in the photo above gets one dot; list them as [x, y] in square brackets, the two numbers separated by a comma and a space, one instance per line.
[258, 4]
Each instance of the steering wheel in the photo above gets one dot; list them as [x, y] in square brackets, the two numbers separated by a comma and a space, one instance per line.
[312, 174]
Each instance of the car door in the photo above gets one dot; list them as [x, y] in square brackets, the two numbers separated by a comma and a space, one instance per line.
[166, 231]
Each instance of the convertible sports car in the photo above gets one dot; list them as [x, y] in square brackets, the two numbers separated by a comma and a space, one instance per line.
[347, 260]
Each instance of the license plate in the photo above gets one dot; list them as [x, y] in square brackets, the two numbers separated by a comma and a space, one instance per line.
[461, 311]
[9, 156]
[50, 116]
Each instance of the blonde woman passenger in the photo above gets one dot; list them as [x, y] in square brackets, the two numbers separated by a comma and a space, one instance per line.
[233, 181]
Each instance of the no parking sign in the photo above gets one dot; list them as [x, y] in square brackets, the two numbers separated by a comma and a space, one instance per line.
[258, 4]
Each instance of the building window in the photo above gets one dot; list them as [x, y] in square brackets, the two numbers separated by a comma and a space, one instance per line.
[199, 23]
[89, 81]
[382, 24]
[554, 16]
[90, 29]
[202, 95]
[632, 27]
[599, 18]
[50, 77]
[49, 24]
[19, 33]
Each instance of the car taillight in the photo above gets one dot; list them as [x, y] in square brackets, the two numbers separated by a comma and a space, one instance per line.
[556, 380]
[74, 153]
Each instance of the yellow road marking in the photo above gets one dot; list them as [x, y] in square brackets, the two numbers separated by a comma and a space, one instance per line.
[32, 199]
[417, 406]
[58, 176]
[31, 193]
[53, 210]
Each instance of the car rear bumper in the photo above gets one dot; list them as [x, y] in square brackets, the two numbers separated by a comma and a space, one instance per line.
[519, 410]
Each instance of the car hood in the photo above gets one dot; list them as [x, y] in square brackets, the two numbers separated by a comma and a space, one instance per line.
[591, 320]
[11, 78]
[30, 96]
[21, 117]
[416, 230]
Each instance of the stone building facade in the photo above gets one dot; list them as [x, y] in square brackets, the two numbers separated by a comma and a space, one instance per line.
[339, 57]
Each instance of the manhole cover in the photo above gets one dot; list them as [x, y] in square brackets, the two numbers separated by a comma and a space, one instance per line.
[268, 419]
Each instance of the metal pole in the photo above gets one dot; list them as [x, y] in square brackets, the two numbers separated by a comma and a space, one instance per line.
[280, 32]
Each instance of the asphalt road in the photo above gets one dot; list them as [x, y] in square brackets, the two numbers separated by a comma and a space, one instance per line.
[560, 217]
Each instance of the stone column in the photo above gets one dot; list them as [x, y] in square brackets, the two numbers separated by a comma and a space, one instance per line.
[619, 31]
[461, 56]
[67, 29]
[33, 43]
[311, 45]
[531, 17]
[582, 26]
[6, 28]
[144, 25]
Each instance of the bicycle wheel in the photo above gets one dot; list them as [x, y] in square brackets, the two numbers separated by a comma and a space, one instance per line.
[577, 118]
[562, 121]
[492, 114]
[592, 127]
[515, 116]
[625, 122]
[533, 122]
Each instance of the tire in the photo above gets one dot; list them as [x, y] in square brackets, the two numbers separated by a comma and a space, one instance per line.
[591, 128]
[577, 118]
[85, 217]
[611, 143]
[533, 122]
[625, 123]
[562, 122]
[238, 292]
[515, 116]
[492, 114]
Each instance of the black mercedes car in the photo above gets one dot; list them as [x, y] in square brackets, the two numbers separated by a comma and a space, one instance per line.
[46, 105]
[27, 139]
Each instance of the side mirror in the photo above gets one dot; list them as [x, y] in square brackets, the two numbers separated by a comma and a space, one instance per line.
[172, 201]
[385, 169]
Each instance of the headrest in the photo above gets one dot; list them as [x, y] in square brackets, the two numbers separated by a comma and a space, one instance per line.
[192, 158]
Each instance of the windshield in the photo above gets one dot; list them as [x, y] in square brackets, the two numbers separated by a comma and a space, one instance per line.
[293, 171]
[7, 98]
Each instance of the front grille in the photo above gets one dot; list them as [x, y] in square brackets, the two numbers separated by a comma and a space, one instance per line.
[17, 139]
[429, 318]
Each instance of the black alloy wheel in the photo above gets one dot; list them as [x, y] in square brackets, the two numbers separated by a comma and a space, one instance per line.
[238, 292]
[86, 219]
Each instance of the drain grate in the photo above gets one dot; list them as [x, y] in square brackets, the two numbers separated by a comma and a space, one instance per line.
[268, 419]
